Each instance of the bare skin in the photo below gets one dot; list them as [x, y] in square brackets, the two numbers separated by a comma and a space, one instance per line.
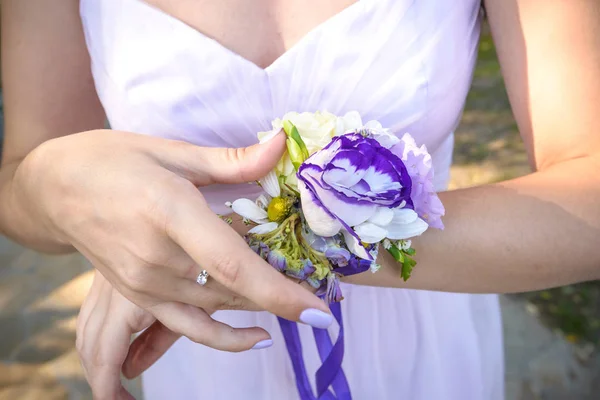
[537, 231]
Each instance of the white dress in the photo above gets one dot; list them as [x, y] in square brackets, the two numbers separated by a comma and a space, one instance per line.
[406, 63]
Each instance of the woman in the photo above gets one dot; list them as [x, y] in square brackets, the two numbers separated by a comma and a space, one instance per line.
[182, 81]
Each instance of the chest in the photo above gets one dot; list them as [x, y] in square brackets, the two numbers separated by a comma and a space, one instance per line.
[258, 30]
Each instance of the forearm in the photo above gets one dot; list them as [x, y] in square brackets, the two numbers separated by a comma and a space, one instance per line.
[18, 222]
[538, 231]
[49, 92]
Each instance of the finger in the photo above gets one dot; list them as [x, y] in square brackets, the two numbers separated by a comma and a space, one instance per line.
[106, 383]
[182, 287]
[229, 260]
[206, 166]
[212, 296]
[91, 327]
[88, 306]
[92, 295]
[111, 350]
[147, 348]
[198, 326]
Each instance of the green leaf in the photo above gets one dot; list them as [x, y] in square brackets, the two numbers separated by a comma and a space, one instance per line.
[407, 267]
[295, 153]
[292, 132]
[410, 251]
[396, 253]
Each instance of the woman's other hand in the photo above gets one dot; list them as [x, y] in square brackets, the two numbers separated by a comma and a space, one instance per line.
[131, 205]
[104, 328]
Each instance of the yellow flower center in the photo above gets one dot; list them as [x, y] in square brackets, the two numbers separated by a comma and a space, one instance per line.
[279, 208]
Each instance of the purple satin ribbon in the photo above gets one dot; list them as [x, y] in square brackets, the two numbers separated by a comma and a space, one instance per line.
[330, 373]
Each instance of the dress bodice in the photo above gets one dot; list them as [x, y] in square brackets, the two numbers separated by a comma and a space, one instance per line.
[405, 63]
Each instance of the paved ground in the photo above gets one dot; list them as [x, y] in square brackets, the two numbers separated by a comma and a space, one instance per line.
[40, 297]
[39, 300]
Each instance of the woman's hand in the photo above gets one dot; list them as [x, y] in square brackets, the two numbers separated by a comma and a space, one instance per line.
[107, 321]
[104, 328]
[130, 204]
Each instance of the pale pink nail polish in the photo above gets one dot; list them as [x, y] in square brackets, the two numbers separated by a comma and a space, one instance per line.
[316, 318]
[263, 344]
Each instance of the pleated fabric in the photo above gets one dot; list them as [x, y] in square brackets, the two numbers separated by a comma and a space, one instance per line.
[406, 63]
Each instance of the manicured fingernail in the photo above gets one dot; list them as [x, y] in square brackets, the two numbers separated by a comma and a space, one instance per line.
[316, 318]
[270, 137]
[263, 344]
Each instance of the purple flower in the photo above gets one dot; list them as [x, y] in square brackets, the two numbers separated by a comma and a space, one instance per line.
[258, 247]
[277, 260]
[322, 290]
[360, 185]
[418, 162]
[357, 174]
[355, 266]
[334, 292]
[305, 270]
[318, 243]
[315, 283]
[338, 255]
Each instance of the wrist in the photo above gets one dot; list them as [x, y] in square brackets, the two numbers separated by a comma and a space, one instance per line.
[31, 191]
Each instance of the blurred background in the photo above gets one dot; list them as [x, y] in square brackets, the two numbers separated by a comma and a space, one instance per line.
[551, 337]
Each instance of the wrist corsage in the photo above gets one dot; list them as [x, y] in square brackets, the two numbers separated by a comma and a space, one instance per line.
[341, 192]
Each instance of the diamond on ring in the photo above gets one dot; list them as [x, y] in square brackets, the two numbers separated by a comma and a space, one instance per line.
[202, 278]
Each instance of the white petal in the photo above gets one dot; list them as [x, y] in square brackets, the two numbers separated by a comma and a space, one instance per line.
[352, 121]
[370, 233]
[382, 216]
[355, 247]
[351, 213]
[380, 182]
[320, 222]
[263, 201]
[373, 124]
[248, 209]
[270, 184]
[404, 216]
[385, 139]
[405, 231]
[374, 267]
[344, 175]
[323, 157]
[339, 127]
[374, 252]
[264, 228]
[405, 245]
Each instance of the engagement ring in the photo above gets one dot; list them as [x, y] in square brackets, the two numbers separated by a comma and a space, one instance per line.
[202, 278]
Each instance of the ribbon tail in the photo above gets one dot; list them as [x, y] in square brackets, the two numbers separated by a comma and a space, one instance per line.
[294, 348]
[331, 373]
[326, 378]
[340, 383]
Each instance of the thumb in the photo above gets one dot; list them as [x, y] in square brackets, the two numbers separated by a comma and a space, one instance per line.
[207, 165]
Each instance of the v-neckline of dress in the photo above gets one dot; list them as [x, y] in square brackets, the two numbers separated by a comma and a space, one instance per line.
[352, 8]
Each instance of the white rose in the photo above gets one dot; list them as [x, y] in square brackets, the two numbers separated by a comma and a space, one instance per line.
[316, 130]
